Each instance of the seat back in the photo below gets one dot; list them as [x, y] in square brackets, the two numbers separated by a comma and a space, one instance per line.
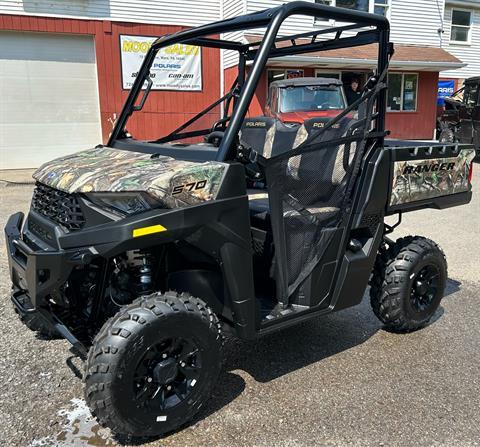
[268, 136]
[323, 170]
[258, 133]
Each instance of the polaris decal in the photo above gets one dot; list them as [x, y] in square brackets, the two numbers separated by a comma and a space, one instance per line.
[424, 179]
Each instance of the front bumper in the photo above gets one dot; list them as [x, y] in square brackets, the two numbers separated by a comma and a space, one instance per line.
[39, 271]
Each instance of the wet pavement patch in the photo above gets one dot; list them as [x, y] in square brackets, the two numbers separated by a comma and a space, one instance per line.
[79, 428]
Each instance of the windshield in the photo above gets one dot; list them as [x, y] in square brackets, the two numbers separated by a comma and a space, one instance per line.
[311, 97]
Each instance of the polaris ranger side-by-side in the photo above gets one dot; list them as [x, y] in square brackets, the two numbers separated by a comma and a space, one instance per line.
[144, 253]
[460, 120]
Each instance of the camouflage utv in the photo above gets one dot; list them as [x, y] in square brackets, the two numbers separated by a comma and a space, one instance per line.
[143, 253]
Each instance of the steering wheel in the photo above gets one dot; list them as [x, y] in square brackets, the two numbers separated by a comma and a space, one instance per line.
[220, 123]
[214, 138]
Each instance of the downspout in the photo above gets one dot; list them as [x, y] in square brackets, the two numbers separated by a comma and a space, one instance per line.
[222, 55]
[441, 12]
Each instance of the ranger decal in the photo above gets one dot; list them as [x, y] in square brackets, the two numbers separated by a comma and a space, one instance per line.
[424, 179]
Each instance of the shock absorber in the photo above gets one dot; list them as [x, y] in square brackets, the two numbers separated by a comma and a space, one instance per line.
[143, 273]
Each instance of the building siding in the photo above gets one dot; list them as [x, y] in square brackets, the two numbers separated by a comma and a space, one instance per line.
[232, 8]
[466, 53]
[166, 12]
[164, 110]
[416, 22]
[421, 123]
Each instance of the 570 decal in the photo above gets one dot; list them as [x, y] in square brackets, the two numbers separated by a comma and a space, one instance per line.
[187, 187]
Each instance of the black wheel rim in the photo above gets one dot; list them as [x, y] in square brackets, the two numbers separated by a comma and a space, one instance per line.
[167, 373]
[424, 288]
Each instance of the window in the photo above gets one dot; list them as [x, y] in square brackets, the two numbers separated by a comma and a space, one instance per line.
[402, 92]
[311, 97]
[381, 7]
[375, 6]
[461, 24]
[275, 75]
[359, 5]
[327, 74]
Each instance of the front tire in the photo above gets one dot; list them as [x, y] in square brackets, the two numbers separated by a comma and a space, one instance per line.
[407, 283]
[154, 364]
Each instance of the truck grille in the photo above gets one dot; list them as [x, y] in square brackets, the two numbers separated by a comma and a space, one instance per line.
[58, 206]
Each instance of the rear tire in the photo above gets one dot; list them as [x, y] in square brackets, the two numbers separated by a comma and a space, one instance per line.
[407, 283]
[154, 364]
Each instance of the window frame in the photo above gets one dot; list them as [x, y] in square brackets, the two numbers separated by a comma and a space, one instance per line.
[284, 74]
[469, 27]
[371, 9]
[326, 70]
[402, 91]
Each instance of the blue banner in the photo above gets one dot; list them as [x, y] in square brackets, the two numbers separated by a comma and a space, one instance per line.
[445, 88]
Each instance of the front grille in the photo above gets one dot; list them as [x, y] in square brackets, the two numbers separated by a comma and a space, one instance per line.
[58, 206]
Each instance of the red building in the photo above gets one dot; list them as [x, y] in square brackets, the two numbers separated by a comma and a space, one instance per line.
[412, 66]
[77, 110]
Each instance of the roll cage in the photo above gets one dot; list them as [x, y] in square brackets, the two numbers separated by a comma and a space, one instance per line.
[271, 46]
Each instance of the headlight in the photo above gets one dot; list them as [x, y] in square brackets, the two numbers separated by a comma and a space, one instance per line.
[125, 203]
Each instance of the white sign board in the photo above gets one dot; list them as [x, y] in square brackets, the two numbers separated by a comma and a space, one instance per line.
[177, 67]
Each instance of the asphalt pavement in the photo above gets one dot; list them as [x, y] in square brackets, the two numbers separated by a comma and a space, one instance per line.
[339, 380]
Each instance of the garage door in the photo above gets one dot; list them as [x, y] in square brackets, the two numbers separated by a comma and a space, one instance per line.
[48, 97]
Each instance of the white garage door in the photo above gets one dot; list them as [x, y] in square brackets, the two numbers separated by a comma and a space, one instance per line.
[48, 97]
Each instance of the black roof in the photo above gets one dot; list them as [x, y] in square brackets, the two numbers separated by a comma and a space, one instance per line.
[294, 82]
[475, 79]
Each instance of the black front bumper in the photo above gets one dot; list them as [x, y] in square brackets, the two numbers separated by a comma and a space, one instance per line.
[38, 272]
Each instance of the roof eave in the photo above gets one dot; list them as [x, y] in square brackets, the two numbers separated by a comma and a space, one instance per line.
[394, 64]
[463, 3]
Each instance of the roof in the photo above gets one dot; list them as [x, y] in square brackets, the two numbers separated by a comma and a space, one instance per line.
[414, 56]
[475, 79]
[305, 81]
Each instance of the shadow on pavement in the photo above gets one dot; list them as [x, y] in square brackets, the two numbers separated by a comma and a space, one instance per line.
[280, 353]
[291, 349]
[453, 286]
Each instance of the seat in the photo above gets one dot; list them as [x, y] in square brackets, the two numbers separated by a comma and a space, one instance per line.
[260, 210]
[316, 177]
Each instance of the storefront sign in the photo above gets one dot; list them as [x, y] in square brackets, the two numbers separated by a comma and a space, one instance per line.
[177, 67]
[445, 88]
[290, 74]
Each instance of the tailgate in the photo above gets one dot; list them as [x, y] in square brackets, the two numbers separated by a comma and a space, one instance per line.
[433, 176]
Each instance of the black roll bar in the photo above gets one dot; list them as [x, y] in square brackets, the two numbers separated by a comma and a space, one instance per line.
[272, 19]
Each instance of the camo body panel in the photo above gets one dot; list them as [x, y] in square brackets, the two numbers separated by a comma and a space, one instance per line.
[112, 170]
[424, 179]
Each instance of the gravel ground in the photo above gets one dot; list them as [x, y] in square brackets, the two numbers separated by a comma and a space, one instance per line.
[336, 381]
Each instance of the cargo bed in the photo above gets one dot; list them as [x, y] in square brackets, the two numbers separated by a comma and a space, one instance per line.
[428, 175]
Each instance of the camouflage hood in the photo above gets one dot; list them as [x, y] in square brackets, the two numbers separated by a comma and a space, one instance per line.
[173, 182]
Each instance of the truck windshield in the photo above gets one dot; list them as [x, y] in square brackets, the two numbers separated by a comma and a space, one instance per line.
[311, 97]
